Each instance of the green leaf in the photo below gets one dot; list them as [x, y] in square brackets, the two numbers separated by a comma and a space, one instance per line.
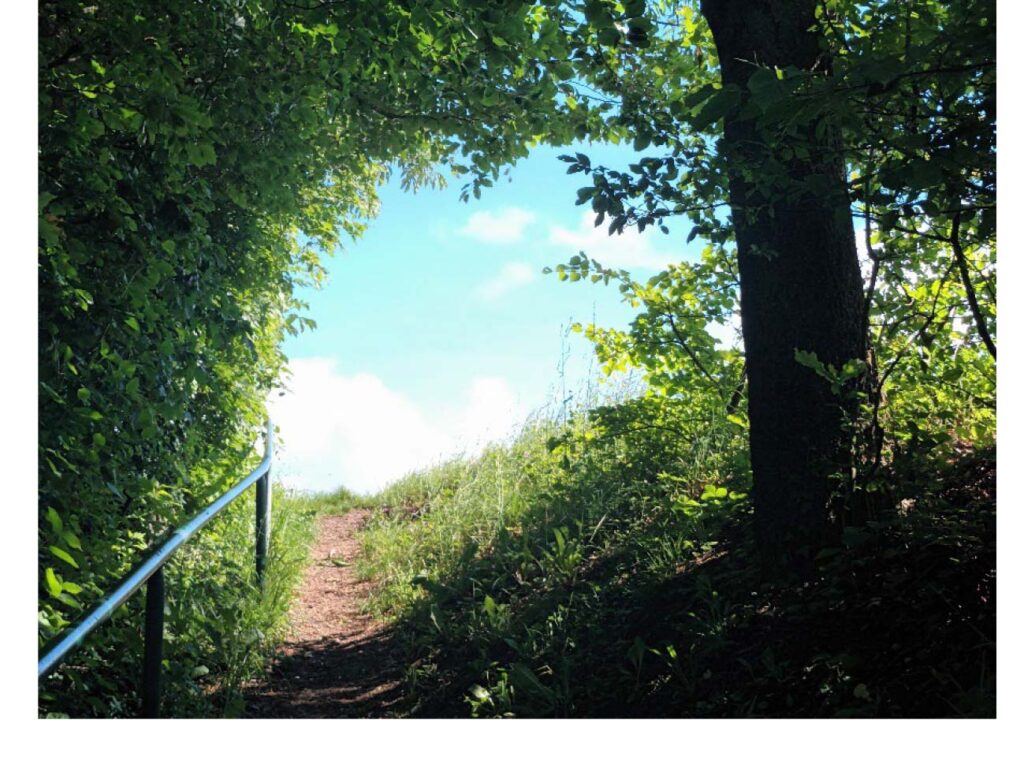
[828, 553]
[49, 232]
[69, 601]
[71, 539]
[765, 87]
[53, 584]
[60, 553]
[55, 522]
[717, 107]
[633, 8]
[808, 359]
[525, 678]
[490, 607]
[201, 154]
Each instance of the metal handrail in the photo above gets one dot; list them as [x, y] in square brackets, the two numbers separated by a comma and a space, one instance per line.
[150, 572]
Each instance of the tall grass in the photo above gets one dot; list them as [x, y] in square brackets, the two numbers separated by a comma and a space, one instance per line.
[601, 563]
[514, 555]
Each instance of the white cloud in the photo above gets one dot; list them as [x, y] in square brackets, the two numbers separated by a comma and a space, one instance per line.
[511, 276]
[500, 227]
[493, 413]
[353, 431]
[629, 250]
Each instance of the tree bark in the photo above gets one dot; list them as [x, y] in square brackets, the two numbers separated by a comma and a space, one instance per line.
[800, 285]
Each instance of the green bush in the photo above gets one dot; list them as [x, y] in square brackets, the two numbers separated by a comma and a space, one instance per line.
[219, 625]
[194, 161]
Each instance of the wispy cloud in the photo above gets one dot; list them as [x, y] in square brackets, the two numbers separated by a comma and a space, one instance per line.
[499, 227]
[352, 430]
[630, 249]
[511, 276]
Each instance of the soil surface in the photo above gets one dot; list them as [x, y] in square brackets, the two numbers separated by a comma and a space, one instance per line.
[338, 662]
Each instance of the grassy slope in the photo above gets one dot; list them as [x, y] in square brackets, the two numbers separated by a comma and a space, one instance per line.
[593, 580]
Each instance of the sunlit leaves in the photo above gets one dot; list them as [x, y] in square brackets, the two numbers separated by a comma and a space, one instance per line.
[63, 555]
[195, 162]
[53, 584]
[910, 101]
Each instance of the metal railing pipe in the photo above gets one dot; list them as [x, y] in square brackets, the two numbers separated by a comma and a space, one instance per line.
[72, 638]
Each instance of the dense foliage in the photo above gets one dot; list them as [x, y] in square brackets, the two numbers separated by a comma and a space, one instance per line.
[613, 572]
[195, 159]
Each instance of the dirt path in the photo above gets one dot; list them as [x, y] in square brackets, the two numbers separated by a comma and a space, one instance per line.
[338, 662]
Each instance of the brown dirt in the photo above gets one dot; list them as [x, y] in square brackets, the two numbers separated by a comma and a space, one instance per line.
[338, 662]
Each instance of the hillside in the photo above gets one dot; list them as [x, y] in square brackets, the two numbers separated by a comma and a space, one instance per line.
[545, 580]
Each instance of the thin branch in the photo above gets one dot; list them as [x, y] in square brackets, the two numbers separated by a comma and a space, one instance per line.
[737, 393]
[965, 278]
[875, 261]
[877, 431]
[929, 319]
[691, 354]
[984, 64]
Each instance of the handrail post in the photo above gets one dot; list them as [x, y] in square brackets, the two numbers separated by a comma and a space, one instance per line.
[263, 492]
[153, 658]
[262, 525]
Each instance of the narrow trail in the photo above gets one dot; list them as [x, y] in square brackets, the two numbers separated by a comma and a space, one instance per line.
[338, 662]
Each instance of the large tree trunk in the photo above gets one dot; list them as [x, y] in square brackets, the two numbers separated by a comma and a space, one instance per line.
[800, 284]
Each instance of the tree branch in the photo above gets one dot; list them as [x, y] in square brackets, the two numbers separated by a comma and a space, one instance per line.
[965, 278]
[691, 354]
[737, 393]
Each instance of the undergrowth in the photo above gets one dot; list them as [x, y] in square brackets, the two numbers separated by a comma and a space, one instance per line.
[581, 571]
[219, 626]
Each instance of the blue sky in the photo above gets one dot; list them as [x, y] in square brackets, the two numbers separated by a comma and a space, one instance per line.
[437, 331]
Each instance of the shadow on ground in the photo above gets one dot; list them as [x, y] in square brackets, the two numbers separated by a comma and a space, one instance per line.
[900, 622]
[338, 662]
[333, 678]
